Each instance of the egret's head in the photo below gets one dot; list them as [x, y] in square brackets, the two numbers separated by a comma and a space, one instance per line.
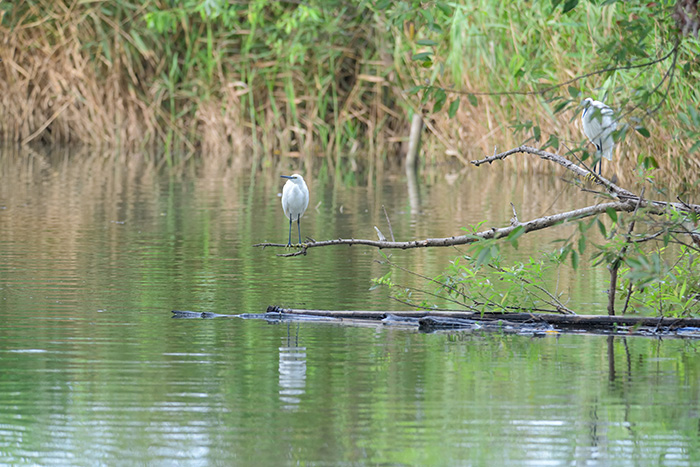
[296, 178]
[586, 102]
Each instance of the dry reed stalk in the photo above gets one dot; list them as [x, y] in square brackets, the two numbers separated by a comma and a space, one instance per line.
[221, 129]
[54, 89]
[55, 92]
[490, 121]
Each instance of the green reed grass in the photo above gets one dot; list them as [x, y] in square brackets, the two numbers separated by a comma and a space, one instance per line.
[160, 73]
[522, 47]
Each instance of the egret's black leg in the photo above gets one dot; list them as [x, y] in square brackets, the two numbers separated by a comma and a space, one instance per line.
[598, 164]
[289, 242]
[599, 147]
[299, 227]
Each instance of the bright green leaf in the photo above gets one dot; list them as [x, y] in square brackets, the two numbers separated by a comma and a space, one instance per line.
[553, 142]
[422, 56]
[602, 229]
[440, 98]
[515, 234]
[649, 162]
[414, 90]
[642, 131]
[383, 4]
[561, 106]
[454, 106]
[569, 5]
[694, 147]
[444, 8]
[484, 257]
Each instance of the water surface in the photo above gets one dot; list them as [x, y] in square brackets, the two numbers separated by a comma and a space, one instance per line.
[95, 251]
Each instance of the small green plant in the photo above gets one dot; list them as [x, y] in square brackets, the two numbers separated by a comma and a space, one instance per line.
[480, 282]
[653, 267]
[652, 286]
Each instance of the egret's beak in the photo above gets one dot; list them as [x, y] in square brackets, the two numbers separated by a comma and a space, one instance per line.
[287, 176]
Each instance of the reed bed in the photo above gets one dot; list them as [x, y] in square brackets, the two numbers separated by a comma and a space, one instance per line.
[329, 81]
[507, 47]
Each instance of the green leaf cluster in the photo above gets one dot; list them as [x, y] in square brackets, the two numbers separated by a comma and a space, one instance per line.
[657, 258]
[480, 282]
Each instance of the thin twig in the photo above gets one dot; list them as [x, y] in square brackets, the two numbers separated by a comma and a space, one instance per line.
[432, 294]
[615, 265]
[565, 83]
[627, 300]
[557, 304]
[514, 219]
[647, 238]
[429, 279]
[391, 232]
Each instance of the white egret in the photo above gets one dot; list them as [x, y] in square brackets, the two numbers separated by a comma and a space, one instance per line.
[598, 126]
[295, 199]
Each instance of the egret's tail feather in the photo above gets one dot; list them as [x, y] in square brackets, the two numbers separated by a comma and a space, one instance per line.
[608, 153]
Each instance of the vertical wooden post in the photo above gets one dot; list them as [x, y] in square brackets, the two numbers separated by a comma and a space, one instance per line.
[414, 142]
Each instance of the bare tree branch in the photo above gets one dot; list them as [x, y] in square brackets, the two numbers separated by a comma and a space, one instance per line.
[627, 202]
[564, 162]
[530, 226]
[614, 190]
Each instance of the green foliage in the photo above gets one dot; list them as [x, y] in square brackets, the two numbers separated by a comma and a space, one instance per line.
[322, 73]
[480, 282]
[304, 43]
[658, 268]
[637, 61]
[691, 122]
[385, 280]
[656, 288]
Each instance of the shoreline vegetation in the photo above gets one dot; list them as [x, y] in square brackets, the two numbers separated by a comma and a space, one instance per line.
[241, 83]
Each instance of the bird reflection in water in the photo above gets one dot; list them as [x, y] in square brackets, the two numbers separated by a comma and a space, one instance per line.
[292, 371]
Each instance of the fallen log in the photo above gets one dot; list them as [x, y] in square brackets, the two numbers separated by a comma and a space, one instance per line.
[431, 320]
[272, 317]
[517, 323]
[554, 319]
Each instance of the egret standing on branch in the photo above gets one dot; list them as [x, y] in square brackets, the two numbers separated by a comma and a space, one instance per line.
[295, 199]
[598, 126]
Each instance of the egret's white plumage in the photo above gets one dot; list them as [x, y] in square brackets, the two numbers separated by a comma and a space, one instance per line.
[295, 200]
[598, 125]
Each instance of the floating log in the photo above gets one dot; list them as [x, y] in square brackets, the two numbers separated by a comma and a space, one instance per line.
[520, 323]
[432, 320]
[270, 316]
[183, 314]
[583, 321]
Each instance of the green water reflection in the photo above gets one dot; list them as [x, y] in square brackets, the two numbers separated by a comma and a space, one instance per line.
[95, 252]
[242, 392]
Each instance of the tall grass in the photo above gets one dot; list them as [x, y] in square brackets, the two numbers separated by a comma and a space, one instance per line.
[501, 46]
[254, 80]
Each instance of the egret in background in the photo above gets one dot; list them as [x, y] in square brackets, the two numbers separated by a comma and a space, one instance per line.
[598, 126]
[295, 199]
